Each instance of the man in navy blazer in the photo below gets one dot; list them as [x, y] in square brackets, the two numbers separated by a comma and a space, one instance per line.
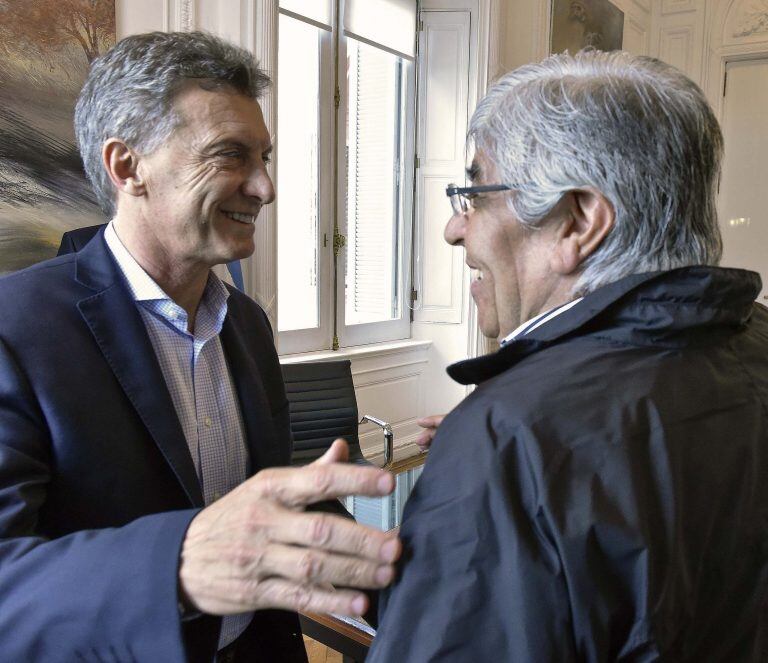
[116, 542]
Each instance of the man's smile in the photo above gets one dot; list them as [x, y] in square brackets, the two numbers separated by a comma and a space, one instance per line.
[242, 218]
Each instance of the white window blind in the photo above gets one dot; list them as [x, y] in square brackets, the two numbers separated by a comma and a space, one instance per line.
[373, 200]
[389, 24]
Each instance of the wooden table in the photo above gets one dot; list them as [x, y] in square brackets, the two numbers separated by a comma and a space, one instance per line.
[352, 643]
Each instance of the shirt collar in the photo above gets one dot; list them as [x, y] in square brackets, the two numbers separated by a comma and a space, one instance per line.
[144, 288]
[538, 320]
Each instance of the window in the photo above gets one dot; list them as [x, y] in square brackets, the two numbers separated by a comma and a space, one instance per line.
[345, 129]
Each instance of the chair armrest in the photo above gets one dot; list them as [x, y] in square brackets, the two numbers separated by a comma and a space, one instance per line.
[389, 438]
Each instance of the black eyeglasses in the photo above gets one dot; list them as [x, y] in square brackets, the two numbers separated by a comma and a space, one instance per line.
[461, 196]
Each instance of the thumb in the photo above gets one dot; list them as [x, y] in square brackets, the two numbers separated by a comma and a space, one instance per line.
[338, 452]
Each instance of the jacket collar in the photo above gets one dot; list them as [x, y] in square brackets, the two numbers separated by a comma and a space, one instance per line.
[111, 314]
[666, 309]
[264, 447]
[116, 324]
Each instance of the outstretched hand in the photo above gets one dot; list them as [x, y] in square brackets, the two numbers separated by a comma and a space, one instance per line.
[256, 548]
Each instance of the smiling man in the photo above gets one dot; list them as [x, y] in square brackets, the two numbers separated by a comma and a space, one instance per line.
[602, 494]
[142, 410]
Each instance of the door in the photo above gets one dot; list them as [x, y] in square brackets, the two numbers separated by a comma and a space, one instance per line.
[743, 204]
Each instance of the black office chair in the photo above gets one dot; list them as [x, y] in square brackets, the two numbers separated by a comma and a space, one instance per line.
[323, 407]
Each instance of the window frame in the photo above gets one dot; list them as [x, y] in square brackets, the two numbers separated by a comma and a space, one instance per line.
[397, 328]
[332, 189]
[309, 339]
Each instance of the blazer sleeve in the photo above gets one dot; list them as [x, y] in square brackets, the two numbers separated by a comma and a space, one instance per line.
[479, 579]
[108, 594]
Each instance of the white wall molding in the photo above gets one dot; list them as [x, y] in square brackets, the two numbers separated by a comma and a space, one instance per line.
[637, 37]
[404, 443]
[645, 5]
[733, 33]
[495, 32]
[397, 401]
[677, 6]
[678, 37]
[676, 46]
[542, 30]
[749, 20]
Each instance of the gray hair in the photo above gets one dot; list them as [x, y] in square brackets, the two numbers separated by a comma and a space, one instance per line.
[130, 90]
[634, 128]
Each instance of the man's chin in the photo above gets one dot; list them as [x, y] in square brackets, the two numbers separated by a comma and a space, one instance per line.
[489, 329]
[241, 250]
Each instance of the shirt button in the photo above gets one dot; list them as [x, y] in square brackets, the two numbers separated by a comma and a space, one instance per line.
[207, 422]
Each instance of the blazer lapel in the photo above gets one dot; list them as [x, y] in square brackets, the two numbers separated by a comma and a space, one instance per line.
[260, 433]
[116, 324]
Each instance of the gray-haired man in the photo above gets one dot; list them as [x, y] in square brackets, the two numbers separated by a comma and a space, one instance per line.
[138, 394]
[603, 494]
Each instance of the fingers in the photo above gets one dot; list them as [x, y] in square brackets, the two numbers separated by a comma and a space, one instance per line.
[430, 424]
[317, 567]
[334, 533]
[289, 595]
[424, 441]
[432, 421]
[338, 452]
[233, 595]
[296, 487]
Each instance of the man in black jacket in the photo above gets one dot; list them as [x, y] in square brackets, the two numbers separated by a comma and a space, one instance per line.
[603, 494]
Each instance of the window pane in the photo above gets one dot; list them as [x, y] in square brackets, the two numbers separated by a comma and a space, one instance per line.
[297, 175]
[374, 147]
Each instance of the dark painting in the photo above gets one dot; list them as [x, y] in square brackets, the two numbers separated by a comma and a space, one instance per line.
[578, 24]
[46, 47]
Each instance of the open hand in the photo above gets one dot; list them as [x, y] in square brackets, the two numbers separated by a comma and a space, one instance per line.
[256, 548]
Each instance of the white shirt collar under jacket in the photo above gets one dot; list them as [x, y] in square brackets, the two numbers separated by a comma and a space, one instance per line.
[538, 320]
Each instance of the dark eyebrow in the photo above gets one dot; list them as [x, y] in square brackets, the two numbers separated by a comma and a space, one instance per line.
[473, 172]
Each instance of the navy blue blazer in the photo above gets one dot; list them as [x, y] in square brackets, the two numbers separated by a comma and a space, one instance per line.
[97, 486]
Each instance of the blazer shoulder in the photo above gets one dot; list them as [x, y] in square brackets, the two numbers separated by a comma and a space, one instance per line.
[41, 274]
[39, 295]
[76, 239]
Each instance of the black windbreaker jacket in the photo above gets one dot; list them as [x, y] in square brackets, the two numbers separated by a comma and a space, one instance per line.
[603, 494]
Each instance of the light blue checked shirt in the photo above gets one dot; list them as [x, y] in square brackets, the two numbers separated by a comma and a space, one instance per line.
[198, 379]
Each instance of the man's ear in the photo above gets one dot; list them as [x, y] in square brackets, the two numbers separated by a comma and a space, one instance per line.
[586, 217]
[122, 165]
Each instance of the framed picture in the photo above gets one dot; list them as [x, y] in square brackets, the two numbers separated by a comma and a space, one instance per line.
[578, 24]
[46, 47]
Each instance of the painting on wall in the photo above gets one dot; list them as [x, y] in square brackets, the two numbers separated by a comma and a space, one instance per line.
[46, 47]
[578, 24]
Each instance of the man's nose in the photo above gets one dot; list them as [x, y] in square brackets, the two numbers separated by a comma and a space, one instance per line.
[259, 185]
[454, 229]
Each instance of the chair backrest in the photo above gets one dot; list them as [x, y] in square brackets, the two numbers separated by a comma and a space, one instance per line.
[323, 407]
